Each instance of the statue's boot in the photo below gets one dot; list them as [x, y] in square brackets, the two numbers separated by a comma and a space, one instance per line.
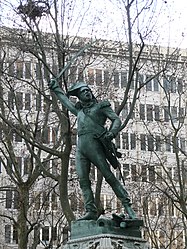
[89, 216]
[122, 194]
[89, 203]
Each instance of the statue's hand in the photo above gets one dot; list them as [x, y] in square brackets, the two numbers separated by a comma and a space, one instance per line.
[54, 86]
[109, 135]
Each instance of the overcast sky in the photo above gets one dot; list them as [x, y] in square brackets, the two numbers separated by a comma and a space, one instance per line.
[169, 22]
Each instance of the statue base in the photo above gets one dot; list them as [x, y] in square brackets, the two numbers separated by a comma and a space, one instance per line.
[107, 233]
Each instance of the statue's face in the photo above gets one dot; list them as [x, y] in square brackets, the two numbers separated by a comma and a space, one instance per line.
[85, 94]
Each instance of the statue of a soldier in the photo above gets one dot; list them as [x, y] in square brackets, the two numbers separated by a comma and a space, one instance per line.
[91, 118]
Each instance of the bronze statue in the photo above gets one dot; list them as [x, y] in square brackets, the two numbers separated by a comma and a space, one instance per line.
[91, 118]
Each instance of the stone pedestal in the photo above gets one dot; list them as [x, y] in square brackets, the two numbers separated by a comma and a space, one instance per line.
[106, 234]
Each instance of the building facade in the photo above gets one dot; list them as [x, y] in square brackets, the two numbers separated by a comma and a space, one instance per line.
[153, 143]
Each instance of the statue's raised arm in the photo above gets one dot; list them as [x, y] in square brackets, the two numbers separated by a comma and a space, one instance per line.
[54, 86]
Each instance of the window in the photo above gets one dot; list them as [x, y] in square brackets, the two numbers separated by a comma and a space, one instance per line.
[156, 84]
[72, 74]
[16, 200]
[27, 101]
[19, 100]
[149, 112]
[8, 203]
[18, 164]
[81, 74]
[54, 201]
[74, 137]
[166, 85]
[11, 69]
[98, 77]
[91, 76]
[151, 173]
[126, 170]
[106, 77]
[11, 100]
[144, 173]
[15, 235]
[46, 135]
[168, 143]
[133, 141]
[18, 138]
[148, 83]
[54, 233]
[45, 200]
[152, 207]
[157, 143]
[54, 68]
[45, 233]
[54, 134]
[38, 102]
[142, 112]
[116, 79]
[125, 111]
[125, 141]
[140, 79]
[170, 84]
[74, 201]
[166, 114]
[150, 142]
[182, 144]
[7, 233]
[46, 103]
[19, 69]
[55, 166]
[143, 141]
[12, 199]
[123, 79]
[180, 86]
[28, 70]
[117, 141]
[175, 144]
[173, 84]
[38, 71]
[134, 173]
[181, 114]
[65, 235]
[174, 113]
[27, 167]
[157, 113]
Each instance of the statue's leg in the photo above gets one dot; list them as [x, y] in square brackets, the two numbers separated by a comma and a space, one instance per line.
[121, 193]
[83, 170]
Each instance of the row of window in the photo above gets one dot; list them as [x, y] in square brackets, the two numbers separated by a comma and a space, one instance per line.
[27, 101]
[42, 200]
[44, 135]
[129, 141]
[28, 70]
[148, 112]
[124, 140]
[156, 113]
[45, 235]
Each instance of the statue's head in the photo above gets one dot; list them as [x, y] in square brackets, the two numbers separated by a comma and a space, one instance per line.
[75, 88]
[82, 91]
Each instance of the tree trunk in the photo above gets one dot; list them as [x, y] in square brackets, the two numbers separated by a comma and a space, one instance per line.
[22, 217]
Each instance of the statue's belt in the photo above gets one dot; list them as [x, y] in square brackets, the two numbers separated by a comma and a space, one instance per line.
[84, 132]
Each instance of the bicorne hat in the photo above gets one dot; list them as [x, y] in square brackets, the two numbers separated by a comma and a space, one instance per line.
[73, 90]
